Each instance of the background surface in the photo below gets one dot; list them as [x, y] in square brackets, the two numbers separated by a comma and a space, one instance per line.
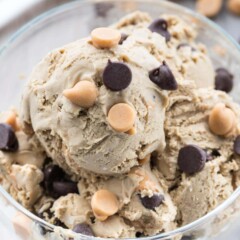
[15, 13]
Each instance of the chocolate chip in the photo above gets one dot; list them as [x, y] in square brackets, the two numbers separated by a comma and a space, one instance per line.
[103, 8]
[163, 77]
[64, 188]
[236, 145]
[191, 159]
[160, 26]
[152, 202]
[223, 80]
[84, 229]
[123, 38]
[117, 76]
[53, 173]
[8, 139]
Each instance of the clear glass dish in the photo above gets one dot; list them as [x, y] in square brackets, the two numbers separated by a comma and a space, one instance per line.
[75, 20]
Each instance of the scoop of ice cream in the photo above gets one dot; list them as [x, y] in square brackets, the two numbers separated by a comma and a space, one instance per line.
[92, 103]
[144, 205]
[96, 137]
[187, 122]
[204, 180]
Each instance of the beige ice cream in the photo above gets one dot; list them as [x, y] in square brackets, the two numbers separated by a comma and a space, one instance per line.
[79, 138]
[118, 181]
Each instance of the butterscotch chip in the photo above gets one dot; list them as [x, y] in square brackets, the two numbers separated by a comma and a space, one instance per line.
[222, 120]
[234, 6]
[209, 8]
[121, 117]
[104, 204]
[83, 94]
[105, 37]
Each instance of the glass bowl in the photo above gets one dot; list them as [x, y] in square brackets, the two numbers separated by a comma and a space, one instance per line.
[75, 20]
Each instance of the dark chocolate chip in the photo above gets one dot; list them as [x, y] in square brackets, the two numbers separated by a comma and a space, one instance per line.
[64, 188]
[123, 38]
[152, 202]
[160, 26]
[191, 159]
[48, 186]
[117, 76]
[53, 173]
[8, 139]
[102, 8]
[236, 145]
[84, 229]
[163, 77]
[223, 80]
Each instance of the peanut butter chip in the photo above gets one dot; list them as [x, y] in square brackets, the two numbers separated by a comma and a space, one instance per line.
[11, 120]
[209, 8]
[105, 37]
[83, 94]
[132, 131]
[104, 204]
[222, 120]
[234, 6]
[121, 117]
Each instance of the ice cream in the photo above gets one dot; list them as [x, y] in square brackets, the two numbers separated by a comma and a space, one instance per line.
[121, 136]
[82, 137]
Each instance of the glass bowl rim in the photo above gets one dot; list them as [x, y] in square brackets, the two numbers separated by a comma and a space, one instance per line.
[67, 6]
